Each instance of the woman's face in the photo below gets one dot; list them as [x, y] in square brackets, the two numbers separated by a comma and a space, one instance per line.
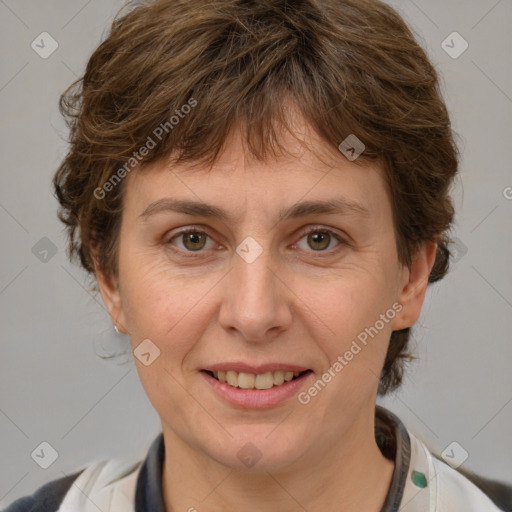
[288, 267]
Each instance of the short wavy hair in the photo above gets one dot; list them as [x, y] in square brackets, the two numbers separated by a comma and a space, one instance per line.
[350, 66]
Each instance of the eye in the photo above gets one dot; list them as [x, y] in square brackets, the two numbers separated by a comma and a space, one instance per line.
[192, 239]
[320, 239]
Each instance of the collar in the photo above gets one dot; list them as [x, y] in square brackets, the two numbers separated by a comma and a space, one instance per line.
[390, 434]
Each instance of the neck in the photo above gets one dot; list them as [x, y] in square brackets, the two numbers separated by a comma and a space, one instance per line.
[351, 475]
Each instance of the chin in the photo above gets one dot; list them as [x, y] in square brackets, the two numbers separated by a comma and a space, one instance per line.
[258, 449]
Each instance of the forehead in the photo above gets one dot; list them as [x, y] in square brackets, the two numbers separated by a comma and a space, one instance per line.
[305, 169]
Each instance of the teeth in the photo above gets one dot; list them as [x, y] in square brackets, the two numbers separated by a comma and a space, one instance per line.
[263, 381]
[250, 381]
[246, 380]
[232, 378]
[278, 378]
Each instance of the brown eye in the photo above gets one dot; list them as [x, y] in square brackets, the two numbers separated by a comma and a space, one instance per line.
[319, 240]
[191, 240]
[194, 240]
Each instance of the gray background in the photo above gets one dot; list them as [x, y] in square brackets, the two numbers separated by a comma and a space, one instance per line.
[55, 388]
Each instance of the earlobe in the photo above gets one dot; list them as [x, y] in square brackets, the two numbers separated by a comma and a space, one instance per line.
[414, 286]
[109, 290]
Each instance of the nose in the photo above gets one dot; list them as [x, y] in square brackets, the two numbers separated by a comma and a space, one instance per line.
[256, 302]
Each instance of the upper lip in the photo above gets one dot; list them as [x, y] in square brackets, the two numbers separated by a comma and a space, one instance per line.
[256, 370]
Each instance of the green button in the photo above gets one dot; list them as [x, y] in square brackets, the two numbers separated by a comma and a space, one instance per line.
[419, 479]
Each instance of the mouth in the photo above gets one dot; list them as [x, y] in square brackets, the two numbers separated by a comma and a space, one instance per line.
[251, 381]
[253, 387]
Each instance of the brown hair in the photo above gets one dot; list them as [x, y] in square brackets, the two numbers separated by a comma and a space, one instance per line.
[350, 66]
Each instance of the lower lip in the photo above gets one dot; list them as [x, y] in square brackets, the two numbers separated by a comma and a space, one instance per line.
[256, 398]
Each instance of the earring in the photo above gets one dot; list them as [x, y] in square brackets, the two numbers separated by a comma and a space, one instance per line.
[116, 329]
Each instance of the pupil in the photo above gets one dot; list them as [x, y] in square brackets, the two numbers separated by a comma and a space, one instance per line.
[318, 238]
[194, 238]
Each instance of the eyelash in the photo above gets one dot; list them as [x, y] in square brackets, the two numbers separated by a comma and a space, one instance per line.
[302, 234]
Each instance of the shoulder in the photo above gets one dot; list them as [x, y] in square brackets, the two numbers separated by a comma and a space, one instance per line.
[106, 484]
[446, 488]
[103, 485]
[458, 491]
[45, 499]
[499, 491]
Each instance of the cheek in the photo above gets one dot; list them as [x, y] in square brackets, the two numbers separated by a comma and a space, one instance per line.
[348, 303]
[172, 310]
[356, 317]
[160, 303]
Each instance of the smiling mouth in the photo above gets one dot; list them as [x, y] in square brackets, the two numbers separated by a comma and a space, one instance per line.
[243, 380]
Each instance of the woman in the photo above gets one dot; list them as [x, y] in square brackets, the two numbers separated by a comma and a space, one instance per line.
[260, 191]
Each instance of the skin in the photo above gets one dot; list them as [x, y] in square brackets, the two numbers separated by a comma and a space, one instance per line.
[296, 304]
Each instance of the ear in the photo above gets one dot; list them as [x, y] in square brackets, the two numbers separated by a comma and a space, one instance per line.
[109, 289]
[414, 286]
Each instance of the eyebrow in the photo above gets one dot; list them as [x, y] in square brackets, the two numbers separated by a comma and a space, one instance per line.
[303, 209]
